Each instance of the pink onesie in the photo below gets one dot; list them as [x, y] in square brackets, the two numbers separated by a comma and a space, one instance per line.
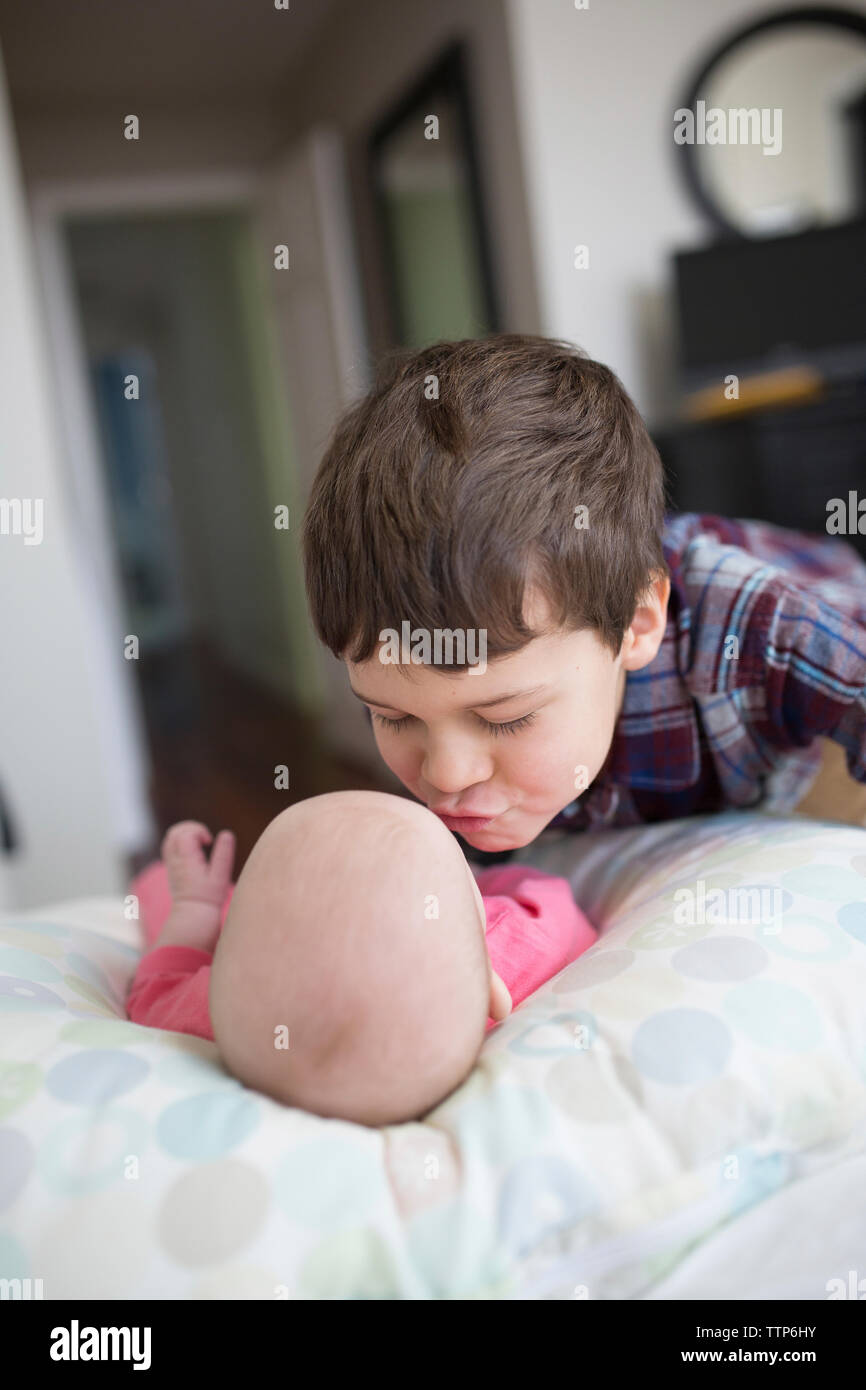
[534, 929]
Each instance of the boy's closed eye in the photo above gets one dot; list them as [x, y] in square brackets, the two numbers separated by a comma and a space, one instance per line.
[395, 721]
[512, 726]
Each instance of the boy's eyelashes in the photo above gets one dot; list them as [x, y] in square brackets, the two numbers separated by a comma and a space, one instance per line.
[512, 726]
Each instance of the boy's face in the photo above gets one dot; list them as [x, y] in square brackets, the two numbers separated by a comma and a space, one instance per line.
[508, 747]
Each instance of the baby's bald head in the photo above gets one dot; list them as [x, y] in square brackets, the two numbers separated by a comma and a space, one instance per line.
[356, 928]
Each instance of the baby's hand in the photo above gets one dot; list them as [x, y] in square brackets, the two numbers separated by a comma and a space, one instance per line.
[191, 877]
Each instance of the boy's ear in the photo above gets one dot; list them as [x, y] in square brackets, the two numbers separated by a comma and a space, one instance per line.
[644, 636]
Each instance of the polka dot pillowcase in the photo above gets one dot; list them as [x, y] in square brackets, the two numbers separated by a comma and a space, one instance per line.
[708, 1052]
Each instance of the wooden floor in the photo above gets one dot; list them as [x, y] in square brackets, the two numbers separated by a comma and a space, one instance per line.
[215, 737]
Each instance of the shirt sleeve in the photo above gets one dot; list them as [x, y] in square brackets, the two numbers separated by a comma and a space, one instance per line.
[170, 990]
[813, 658]
[534, 926]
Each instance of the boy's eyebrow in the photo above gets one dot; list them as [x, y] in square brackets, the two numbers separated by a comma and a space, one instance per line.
[473, 704]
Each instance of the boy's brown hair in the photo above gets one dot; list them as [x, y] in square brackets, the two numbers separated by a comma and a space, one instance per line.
[454, 483]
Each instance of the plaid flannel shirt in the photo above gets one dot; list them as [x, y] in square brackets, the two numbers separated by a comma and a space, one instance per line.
[764, 651]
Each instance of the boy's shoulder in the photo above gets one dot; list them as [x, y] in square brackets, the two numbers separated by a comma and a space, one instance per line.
[764, 650]
[803, 556]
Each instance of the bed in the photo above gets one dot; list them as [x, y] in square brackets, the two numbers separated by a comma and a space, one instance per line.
[681, 1113]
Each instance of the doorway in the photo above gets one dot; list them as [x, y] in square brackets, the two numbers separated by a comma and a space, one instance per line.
[210, 588]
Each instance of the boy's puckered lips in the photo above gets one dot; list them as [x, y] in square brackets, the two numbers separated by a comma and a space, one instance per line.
[463, 822]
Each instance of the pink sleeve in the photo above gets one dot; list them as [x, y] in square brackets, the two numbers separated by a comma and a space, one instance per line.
[534, 927]
[170, 990]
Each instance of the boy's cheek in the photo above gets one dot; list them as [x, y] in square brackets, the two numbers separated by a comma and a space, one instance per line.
[553, 776]
[401, 758]
[549, 757]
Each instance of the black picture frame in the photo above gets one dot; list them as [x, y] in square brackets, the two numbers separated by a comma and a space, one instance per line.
[448, 73]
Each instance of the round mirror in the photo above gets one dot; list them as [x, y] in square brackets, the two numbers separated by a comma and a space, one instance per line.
[773, 129]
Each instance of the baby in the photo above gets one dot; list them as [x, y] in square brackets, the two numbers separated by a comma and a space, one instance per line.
[358, 966]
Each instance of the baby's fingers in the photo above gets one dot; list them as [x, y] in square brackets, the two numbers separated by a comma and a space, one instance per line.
[186, 840]
[222, 855]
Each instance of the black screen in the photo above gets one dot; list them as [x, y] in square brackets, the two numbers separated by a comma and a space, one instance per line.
[778, 297]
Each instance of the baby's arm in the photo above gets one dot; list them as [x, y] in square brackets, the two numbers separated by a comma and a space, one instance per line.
[170, 986]
[198, 886]
[534, 926]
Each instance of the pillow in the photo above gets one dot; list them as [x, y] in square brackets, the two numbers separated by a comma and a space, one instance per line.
[649, 1123]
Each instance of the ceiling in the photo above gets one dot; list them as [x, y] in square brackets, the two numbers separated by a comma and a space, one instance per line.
[89, 53]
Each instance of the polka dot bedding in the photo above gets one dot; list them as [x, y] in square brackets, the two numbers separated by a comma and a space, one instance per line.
[700, 1066]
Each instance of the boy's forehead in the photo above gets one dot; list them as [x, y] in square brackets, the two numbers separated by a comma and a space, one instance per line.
[531, 671]
[537, 612]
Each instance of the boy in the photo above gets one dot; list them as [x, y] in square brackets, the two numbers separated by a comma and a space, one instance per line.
[642, 665]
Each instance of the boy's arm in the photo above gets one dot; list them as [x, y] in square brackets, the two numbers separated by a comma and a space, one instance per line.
[534, 926]
[813, 660]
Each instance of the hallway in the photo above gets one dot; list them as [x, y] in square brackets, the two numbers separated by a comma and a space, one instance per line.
[215, 738]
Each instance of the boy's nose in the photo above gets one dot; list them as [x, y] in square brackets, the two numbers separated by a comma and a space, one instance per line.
[451, 768]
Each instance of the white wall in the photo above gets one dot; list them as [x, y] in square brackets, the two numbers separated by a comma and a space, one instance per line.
[52, 762]
[596, 93]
